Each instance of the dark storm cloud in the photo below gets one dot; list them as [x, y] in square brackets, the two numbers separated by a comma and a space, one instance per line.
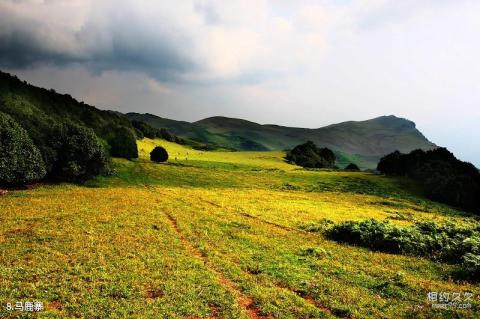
[155, 57]
[115, 40]
[20, 49]
[161, 62]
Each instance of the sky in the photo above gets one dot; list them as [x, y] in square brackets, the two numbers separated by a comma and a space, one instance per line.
[292, 62]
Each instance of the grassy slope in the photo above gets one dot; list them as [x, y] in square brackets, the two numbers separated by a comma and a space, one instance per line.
[38, 109]
[215, 234]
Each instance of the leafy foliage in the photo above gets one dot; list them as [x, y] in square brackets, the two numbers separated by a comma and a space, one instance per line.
[309, 155]
[352, 167]
[441, 242]
[159, 154]
[145, 130]
[122, 141]
[20, 160]
[39, 110]
[79, 153]
[443, 177]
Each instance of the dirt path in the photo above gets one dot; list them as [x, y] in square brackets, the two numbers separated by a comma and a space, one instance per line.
[283, 227]
[259, 219]
[246, 303]
[307, 299]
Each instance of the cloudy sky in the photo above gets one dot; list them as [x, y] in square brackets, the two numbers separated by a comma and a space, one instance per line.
[291, 62]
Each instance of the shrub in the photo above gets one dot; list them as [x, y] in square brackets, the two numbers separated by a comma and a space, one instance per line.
[309, 155]
[179, 140]
[79, 153]
[165, 134]
[20, 160]
[123, 142]
[390, 164]
[471, 264]
[443, 177]
[447, 243]
[138, 134]
[352, 167]
[145, 129]
[159, 154]
[321, 226]
[39, 110]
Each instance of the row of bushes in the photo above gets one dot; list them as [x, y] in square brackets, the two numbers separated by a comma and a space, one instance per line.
[448, 243]
[443, 177]
[52, 136]
[70, 153]
[39, 110]
[143, 129]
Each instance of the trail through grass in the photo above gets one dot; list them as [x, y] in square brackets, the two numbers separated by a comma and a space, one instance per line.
[217, 235]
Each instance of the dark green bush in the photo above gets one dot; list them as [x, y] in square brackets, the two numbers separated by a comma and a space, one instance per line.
[320, 226]
[147, 130]
[143, 129]
[352, 167]
[309, 155]
[123, 142]
[79, 155]
[447, 243]
[159, 154]
[443, 177]
[20, 160]
[138, 134]
[471, 263]
[165, 134]
[38, 110]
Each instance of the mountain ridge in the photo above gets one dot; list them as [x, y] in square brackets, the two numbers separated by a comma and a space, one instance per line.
[361, 142]
[381, 117]
[364, 141]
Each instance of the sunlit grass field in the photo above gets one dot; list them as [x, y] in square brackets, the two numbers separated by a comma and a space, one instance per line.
[217, 235]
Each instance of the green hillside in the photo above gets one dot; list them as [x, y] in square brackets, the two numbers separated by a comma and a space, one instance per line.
[363, 142]
[38, 110]
[198, 133]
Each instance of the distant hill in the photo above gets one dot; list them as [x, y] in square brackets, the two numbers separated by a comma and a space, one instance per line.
[363, 142]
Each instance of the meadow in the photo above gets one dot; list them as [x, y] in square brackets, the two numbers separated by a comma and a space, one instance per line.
[218, 235]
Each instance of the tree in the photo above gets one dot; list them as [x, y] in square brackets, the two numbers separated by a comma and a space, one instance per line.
[159, 154]
[165, 134]
[444, 178]
[328, 157]
[352, 167]
[391, 164]
[147, 130]
[20, 160]
[79, 153]
[138, 134]
[123, 142]
[309, 155]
